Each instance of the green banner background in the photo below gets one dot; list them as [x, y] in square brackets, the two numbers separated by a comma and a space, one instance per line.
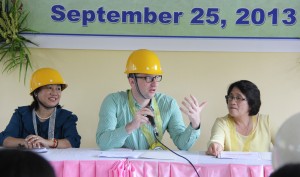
[41, 21]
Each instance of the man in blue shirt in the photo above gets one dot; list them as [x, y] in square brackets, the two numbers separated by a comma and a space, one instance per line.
[125, 117]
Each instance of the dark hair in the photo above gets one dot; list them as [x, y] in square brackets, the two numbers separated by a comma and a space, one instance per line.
[35, 103]
[23, 163]
[290, 170]
[251, 92]
[131, 75]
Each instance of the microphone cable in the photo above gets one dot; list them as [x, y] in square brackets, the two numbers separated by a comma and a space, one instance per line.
[151, 119]
[176, 153]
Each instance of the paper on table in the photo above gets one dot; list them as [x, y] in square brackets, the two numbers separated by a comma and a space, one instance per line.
[39, 150]
[120, 149]
[240, 155]
[120, 154]
[162, 155]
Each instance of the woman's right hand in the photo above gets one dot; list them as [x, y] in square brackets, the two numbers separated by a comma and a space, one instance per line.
[33, 141]
[214, 149]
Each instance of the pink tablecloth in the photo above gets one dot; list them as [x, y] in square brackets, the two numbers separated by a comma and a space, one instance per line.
[144, 168]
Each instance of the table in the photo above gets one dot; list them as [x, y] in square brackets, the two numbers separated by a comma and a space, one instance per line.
[87, 163]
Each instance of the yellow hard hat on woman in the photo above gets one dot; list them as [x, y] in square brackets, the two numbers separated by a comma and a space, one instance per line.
[46, 76]
[143, 61]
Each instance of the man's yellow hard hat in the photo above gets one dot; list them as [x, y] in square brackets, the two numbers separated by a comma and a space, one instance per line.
[143, 61]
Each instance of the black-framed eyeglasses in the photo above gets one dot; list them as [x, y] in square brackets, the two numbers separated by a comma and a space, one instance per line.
[237, 98]
[150, 79]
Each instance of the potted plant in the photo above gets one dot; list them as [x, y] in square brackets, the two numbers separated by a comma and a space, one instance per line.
[13, 50]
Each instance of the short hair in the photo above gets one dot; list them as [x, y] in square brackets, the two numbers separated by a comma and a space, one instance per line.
[24, 163]
[131, 75]
[290, 170]
[251, 92]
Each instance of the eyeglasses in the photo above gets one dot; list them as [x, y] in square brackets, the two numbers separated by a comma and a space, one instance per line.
[238, 98]
[150, 79]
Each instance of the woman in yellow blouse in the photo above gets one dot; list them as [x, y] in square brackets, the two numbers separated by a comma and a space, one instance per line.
[243, 128]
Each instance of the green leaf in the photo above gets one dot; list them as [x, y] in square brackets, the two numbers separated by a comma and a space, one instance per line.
[14, 52]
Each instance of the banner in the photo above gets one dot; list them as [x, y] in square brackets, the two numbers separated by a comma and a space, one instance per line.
[179, 21]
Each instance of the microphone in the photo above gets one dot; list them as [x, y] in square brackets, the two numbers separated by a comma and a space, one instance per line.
[151, 120]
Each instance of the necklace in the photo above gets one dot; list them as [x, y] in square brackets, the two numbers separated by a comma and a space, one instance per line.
[239, 142]
[245, 129]
[40, 117]
[43, 118]
[51, 123]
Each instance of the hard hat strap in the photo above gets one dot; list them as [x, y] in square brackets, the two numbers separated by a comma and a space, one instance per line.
[137, 86]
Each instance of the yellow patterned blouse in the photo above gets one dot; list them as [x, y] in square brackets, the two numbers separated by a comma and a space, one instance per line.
[260, 138]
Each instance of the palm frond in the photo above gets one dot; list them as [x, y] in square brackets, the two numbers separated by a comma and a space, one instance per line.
[14, 52]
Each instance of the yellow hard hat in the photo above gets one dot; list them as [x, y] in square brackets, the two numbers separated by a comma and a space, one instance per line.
[143, 61]
[46, 76]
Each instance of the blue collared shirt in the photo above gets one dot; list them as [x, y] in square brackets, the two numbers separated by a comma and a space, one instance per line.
[115, 114]
[21, 125]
